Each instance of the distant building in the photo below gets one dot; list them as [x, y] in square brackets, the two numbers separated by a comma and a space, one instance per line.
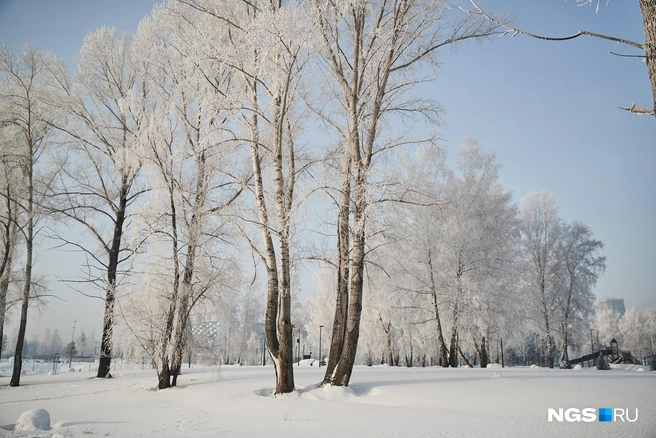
[615, 305]
[205, 330]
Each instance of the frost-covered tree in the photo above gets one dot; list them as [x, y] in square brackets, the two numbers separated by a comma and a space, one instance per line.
[9, 182]
[541, 230]
[24, 110]
[371, 51]
[581, 266]
[185, 148]
[477, 245]
[267, 50]
[105, 114]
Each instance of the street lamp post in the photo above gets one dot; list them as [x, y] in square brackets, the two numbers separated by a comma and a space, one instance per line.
[320, 357]
[298, 346]
[70, 358]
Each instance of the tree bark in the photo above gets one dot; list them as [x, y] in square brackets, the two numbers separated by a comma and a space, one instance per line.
[27, 275]
[7, 263]
[444, 353]
[483, 356]
[195, 225]
[110, 294]
[648, 10]
[463, 357]
[344, 368]
[341, 299]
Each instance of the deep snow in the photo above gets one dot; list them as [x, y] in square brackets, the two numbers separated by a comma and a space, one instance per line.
[381, 401]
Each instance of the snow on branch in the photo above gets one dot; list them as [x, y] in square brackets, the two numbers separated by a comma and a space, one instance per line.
[541, 37]
[641, 111]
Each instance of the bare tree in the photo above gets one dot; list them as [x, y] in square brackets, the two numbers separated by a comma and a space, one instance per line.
[541, 230]
[105, 114]
[371, 51]
[648, 11]
[268, 52]
[9, 181]
[582, 265]
[23, 97]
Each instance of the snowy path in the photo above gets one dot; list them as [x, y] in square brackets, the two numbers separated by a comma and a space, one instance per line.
[381, 402]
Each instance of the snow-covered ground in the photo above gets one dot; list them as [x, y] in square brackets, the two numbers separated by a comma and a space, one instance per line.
[381, 402]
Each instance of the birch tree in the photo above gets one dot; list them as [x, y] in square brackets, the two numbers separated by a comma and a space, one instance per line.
[541, 230]
[371, 51]
[268, 51]
[23, 98]
[105, 111]
[9, 182]
[186, 145]
[582, 266]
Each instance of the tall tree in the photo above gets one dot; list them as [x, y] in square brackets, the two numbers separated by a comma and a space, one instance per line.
[105, 111]
[477, 245]
[541, 230]
[371, 51]
[269, 50]
[581, 267]
[23, 97]
[9, 182]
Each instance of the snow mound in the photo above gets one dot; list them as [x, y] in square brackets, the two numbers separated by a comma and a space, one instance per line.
[330, 392]
[534, 367]
[577, 367]
[493, 365]
[35, 419]
[52, 373]
[72, 370]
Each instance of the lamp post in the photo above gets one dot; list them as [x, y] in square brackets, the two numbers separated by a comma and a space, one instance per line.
[298, 346]
[70, 358]
[320, 357]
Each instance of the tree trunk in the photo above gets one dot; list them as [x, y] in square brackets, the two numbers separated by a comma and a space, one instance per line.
[483, 356]
[549, 346]
[164, 376]
[277, 318]
[463, 357]
[110, 294]
[342, 297]
[440, 336]
[342, 374]
[390, 350]
[565, 343]
[408, 360]
[648, 10]
[453, 347]
[27, 275]
[7, 263]
[195, 225]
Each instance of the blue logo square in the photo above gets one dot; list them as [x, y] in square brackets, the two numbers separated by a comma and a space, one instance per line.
[605, 415]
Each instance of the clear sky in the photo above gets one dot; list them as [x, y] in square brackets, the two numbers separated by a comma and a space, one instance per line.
[547, 109]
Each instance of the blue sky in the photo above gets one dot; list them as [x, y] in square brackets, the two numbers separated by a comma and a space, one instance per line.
[547, 109]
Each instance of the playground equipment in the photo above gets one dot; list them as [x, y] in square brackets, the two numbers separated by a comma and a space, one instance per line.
[611, 353]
